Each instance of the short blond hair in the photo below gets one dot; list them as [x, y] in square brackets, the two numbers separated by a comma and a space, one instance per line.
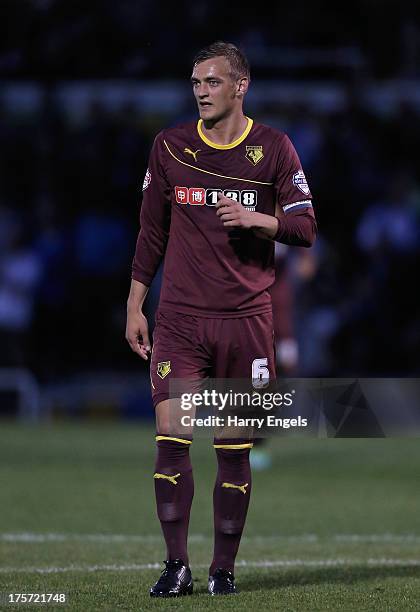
[239, 66]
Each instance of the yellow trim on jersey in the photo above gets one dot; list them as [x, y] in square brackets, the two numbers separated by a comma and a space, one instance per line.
[174, 439]
[231, 145]
[233, 178]
[234, 446]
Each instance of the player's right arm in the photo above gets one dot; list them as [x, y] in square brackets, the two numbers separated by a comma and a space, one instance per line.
[155, 217]
[137, 328]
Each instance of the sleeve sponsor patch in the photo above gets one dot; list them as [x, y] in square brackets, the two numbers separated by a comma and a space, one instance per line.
[299, 181]
[147, 179]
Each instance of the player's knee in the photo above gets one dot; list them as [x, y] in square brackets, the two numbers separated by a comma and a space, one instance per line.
[163, 416]
[169, 419]
[163, 421]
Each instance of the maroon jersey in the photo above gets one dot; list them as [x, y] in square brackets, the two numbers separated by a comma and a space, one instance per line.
[210, 270]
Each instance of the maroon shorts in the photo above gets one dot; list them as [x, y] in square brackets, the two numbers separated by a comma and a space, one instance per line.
[192, 347]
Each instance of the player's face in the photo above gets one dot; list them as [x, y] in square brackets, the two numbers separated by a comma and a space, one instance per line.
[214, 89]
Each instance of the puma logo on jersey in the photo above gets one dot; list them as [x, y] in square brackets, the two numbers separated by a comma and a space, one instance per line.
[193, 153]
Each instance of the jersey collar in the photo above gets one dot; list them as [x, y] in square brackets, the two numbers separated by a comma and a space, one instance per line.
[227, 146]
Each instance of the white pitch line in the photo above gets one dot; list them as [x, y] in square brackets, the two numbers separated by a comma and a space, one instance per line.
[329, 562]
[382, 562]
[380, 537]
[84, 537]
[105, 538]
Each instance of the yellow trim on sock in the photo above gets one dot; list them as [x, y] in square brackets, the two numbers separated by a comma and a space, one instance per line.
[174, 439]
[166, 477]
[234, 446]
[229, 485]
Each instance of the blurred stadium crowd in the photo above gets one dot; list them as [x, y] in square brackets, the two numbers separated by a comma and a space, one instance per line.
[70, 189]
[148, 39]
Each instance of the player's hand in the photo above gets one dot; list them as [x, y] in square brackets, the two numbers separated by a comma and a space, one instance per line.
[137, 334]
[233, 214]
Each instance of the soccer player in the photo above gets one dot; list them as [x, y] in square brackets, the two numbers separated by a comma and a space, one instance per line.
[216, 196]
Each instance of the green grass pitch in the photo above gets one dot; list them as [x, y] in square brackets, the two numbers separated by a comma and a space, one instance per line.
[333, 525]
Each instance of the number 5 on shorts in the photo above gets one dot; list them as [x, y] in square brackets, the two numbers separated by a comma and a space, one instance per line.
[260, 373]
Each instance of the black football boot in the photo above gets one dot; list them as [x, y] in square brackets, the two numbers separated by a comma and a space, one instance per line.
[222, 582]
[175, 580]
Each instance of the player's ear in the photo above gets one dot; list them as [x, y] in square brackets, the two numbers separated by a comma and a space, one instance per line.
[242, 86]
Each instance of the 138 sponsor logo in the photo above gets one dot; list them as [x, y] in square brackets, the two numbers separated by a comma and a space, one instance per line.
[198, 196]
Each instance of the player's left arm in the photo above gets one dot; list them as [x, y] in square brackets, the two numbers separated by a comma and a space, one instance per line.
[294, 213]
[293, 221]
[298, 228]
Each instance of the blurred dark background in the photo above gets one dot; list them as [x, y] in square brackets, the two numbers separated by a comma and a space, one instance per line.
[84, 88]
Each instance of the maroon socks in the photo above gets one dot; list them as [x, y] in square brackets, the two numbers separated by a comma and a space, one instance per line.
[230, 501]
[174, 489]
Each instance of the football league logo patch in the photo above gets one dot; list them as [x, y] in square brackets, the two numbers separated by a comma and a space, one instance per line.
[254, 154]
[147, 179]
[163, 369]
[299, 181]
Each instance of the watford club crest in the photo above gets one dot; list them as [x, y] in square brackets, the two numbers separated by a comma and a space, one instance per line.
[163, 368]
[254, 154]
